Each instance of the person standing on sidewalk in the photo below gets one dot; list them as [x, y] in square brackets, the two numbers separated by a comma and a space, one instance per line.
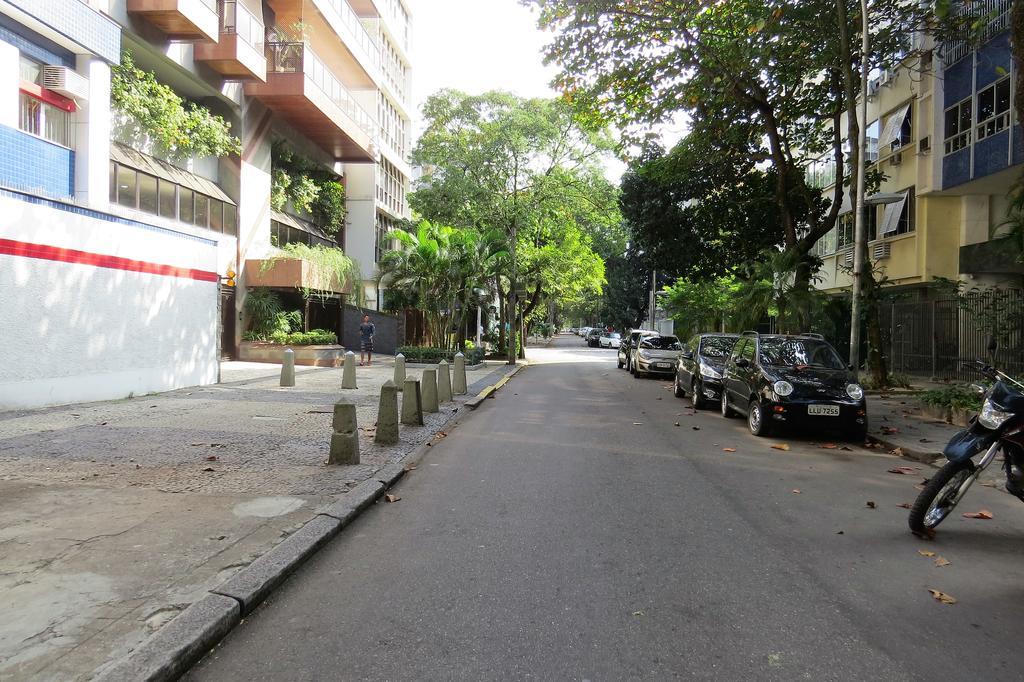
[366, 330]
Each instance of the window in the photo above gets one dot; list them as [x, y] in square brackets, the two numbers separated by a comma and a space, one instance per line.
[29, 70]
[788, 352]
[230, 220]
[899, 216]
[147, 193]
[993, 109]
[873, 132]
[216, 215]
[747, 351]
[168, 199]
[202, 210]
[738, 350]
[898, 128]
[44, 120]
[844, 230]
[958, 126]
[186, 211]
[821, 173]
[126, 186]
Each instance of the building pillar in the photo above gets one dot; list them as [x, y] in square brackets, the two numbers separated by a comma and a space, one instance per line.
[92, 135]
[974, 219]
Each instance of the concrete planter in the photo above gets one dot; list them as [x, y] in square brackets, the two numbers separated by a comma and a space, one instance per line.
[314, 356]
[937, 412]
[962, 416]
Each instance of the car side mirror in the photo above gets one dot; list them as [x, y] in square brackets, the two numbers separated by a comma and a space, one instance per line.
[742, 362]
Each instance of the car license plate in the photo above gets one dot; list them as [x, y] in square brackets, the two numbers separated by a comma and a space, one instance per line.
[666, 365]
[823, 410]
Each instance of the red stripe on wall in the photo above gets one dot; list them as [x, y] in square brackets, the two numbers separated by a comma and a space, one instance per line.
[11, 247]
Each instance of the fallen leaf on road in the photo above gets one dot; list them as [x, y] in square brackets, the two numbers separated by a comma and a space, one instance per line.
[391, 498]
[728, 449]
[780, 446]
[695, 428]
[942, 561]
[429, 444]
[847, 448]
[925, 552]
[896, 452]
[980, 514]
[442, 434]
[209, 469]
[839, 532]
[942, 597]
[889, 430]
[828, 446]
[924, 440]
[211, 458]
[410, 467]
[196, 444]
[870, 504]
[903, 470]
[638, 613]
[795, 491]
[905, 505]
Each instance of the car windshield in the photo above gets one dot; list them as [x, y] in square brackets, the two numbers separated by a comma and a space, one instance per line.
[661, 343]
[613, 335]
[791, 352]
[717, 346]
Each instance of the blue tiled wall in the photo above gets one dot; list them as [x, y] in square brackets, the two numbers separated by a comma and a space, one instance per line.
[33, 45]
[993, 60]
[1018, 144]
[991, 154]
[79, 23]
[957, 82]
[956, 168]
[35, 165]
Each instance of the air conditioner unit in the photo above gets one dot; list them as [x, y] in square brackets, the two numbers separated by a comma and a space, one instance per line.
[886, 76]
[65, 81]
[873, 86]
[881, 251]
[924, 145]
[896, 159]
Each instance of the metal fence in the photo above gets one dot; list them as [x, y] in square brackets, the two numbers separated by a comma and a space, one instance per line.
[935, 338]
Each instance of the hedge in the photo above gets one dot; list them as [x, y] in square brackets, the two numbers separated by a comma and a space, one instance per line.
[314, 337]
[429, 355]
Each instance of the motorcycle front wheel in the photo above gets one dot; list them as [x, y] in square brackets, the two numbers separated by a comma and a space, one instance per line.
[939, 497]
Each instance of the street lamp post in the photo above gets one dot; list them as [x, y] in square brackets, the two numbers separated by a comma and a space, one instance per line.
[859, 236]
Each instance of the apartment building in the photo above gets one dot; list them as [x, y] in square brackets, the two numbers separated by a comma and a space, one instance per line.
[942, 130]
[124, 264]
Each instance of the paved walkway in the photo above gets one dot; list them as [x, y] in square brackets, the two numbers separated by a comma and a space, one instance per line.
[114, 516]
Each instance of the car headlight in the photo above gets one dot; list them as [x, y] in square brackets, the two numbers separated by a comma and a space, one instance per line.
[644, 354]
[708, 371]
[854, 391]
[992, 417]
[782, 388]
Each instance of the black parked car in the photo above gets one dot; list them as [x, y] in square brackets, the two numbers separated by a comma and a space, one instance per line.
[795, 380]
[592, 336]
[699, 373]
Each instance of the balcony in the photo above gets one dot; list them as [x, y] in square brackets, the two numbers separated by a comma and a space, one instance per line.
[180, 19]
[291, 273]
[303, 91]
[355, 37]
[239, 52]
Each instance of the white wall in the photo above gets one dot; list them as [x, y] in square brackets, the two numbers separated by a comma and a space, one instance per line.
[76, 332]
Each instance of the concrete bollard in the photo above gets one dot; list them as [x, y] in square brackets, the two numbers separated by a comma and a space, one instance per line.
[348, 376]
[412, 403]
[345, 439]
[288, 368]
[444, 383]
[387, 415]
[400, 371]
[429, 390]
[459, 378]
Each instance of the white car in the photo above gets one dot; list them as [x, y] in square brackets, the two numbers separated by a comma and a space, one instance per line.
[583, 331]
[610, 340]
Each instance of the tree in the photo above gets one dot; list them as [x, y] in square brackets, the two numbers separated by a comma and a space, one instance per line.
[524, 168]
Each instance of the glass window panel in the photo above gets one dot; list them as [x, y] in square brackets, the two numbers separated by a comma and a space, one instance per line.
[113, 182]
[1003, 96]
[230, 220]
[217, 215]
[126, 186]
[57, 125]
[965, 115]
[202, 210]
[986, 103]
[952, 119]
[147, 193]
[29, 70]
[168, 199]
[185, 208]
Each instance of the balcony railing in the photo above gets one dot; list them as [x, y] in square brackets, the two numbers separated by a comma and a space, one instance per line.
[237, 19]
[296, 57]
[350, 20]
[996, 17]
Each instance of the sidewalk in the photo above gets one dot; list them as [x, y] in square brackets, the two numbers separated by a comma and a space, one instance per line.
[115, 516]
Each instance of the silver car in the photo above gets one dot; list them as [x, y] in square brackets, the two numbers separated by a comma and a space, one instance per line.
[657, 355]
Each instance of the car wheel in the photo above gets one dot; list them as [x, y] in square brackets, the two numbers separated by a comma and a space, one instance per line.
[618, 361]
[677, 389]
[697, 397]
[757, 420]
[727, 411]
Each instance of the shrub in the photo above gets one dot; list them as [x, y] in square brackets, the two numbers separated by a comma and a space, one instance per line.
[956, 397]
[314, 337]
[430, 355]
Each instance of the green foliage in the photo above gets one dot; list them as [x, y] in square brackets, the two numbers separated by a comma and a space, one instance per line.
[314, 337]
[430, 354]
[702, 305]
[180, 129]
[263, 306]
[309, 186]
[330, 269]
[956, 397]
[289, 322]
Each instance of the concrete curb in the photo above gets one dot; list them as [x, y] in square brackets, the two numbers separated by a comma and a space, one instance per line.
[924, 456]
[173, 649]
[475, 401]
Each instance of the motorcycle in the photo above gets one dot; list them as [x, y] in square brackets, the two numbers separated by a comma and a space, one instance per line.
[998, 428]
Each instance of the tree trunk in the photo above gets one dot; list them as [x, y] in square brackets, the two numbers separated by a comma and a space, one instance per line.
[502, 316]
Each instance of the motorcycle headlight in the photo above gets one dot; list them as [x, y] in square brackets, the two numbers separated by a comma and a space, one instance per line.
[709, 371]
[992, 417]
[782, 388]
[854, 391]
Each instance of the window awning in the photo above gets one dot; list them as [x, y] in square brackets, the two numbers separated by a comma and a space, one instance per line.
[893, 125]
[891, 219]
[298, 224]
[126, 156]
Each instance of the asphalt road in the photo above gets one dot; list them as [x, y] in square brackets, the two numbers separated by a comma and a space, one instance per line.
[570, 530]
